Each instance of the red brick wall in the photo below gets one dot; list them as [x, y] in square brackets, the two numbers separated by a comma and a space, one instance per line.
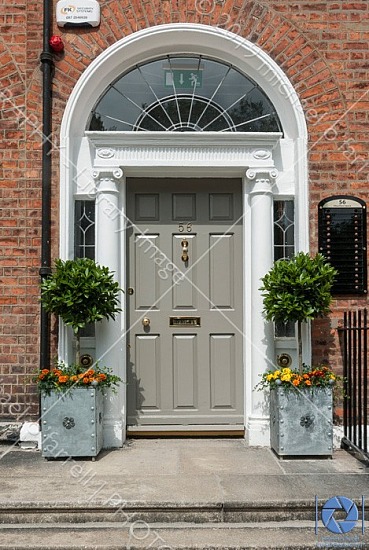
[321, 46]
[19, 205]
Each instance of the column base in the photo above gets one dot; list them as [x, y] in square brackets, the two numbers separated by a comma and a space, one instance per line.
[258, 431]
[114, 434]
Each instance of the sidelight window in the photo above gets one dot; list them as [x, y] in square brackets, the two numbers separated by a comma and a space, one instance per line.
[284, 247]
[84, 229]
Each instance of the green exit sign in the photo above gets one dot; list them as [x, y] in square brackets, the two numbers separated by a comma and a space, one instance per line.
[183, 79]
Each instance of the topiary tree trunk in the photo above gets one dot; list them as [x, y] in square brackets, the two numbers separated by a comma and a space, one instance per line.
[297, 290]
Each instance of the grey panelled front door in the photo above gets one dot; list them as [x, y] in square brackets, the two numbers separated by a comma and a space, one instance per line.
[185, 283]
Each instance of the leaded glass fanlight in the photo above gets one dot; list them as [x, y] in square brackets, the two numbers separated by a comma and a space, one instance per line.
[184, 94]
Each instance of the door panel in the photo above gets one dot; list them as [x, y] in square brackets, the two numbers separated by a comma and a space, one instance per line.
[147, 207]
[146, 252]
[221, 248]
[149, 369]
[185, 367]
[185, 293]
[185, 371]
[222, 375]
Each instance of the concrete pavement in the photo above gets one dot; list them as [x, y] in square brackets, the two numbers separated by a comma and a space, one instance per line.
[202, 482]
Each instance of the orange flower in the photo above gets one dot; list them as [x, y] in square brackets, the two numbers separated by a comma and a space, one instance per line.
[63, 379]
[101, 377]
[308, 383]
[74, 378]
[57, 372]
[45, 371]
[86, 380]
[41, 376]
[296, 382]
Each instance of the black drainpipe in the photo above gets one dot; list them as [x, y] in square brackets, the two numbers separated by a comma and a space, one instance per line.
[47, 66]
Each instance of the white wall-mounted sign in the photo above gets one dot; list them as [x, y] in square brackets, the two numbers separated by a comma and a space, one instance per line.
[78, 13]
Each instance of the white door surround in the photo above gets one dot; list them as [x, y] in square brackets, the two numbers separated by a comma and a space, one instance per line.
[94, 165]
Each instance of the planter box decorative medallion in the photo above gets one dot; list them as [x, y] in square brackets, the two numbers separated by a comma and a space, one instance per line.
[72, 423]
[301, 422]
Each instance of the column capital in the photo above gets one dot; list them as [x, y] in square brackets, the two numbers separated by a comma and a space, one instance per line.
[262, 179]
[107, 179]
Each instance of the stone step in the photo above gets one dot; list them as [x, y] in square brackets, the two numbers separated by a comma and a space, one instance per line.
[286, 535]
[118, 512]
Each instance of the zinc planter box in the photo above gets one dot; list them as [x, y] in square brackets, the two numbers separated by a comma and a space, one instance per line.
[301, 422]
[72, 423]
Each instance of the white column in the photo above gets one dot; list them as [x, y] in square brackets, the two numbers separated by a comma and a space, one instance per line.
[109, 334]
[259, 183]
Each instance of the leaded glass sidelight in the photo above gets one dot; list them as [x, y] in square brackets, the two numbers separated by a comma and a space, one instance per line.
[284, 229]
[84, 241]
[184, 94]
[84, 229]
[284, 247]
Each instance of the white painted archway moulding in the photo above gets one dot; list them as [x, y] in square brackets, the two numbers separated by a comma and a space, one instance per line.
[190, 39]
[257, 158]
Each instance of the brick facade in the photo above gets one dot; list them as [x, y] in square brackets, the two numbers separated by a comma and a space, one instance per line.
[321, 46]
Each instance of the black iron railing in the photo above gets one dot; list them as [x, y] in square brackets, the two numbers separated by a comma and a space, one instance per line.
[354, 334]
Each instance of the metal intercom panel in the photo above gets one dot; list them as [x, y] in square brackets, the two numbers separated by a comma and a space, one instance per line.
[342, 240]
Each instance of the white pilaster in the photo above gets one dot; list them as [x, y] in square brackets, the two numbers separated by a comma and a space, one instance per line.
[109, 334]
[260, 186]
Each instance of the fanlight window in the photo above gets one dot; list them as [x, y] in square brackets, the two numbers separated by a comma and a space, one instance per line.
[184, 94]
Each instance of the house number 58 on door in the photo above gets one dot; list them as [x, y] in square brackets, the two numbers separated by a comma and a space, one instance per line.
[185, 227]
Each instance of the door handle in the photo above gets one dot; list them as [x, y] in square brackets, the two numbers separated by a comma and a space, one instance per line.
[184, 245]
[146, 322]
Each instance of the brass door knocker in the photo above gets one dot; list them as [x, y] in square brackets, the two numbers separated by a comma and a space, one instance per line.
[184, 244]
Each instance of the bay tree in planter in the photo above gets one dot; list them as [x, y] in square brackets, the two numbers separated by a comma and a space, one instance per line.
[80, 292]
[298, 290]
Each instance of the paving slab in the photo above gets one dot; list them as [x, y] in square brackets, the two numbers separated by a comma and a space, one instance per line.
[271, 536]
[192, 472]
[195, 493]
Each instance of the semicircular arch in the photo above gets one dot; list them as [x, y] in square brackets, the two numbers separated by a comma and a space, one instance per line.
[179, 38]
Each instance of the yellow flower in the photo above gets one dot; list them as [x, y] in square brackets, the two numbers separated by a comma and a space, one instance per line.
[270, 377]
[286, 378]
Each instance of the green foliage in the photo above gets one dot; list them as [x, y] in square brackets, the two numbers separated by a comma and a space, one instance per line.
[80, 292]
[298, 289]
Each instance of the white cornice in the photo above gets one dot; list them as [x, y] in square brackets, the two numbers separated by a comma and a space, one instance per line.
[129, 149]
